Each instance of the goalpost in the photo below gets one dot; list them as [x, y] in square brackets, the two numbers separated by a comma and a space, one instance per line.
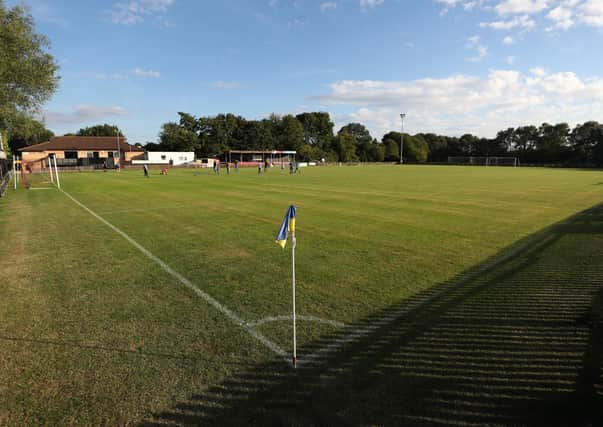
[483, 160]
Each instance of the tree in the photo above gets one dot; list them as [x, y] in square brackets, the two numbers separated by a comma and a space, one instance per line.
[152, 146]
[346, 145]
[100, 130]
[291, 133]
[26, 131]
[525, 142]
[552, 144]
[318, 128]
[391, 150]
[173, 137]
[28, 73]
[415, 149]
[504, 142]
[378, 151]
[584, 139]
[469, 144]
[360, 133]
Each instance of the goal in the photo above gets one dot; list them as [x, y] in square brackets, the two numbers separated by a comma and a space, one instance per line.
[36, 174]
[483, 160]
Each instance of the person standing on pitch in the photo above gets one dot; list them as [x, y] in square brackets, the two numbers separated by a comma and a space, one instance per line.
[259, 168]
[145, 169]
[227, 168]
[290, 168]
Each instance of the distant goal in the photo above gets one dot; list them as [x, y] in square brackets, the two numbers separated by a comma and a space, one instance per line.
[483, 161]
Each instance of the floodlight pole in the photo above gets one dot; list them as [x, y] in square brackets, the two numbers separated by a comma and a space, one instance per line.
[402, 138]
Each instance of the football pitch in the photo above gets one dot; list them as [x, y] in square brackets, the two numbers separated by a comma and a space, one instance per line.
[426, 295]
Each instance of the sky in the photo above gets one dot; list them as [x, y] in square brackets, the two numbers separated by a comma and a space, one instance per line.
[452, 66]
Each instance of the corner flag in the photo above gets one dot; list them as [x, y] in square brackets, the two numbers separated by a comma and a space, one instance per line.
[287, 226]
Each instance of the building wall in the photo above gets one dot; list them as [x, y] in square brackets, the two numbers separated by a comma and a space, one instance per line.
[28, 156]
[176, 157]
[164, 158]
[59, 154]
[34, 155]
[132, 155]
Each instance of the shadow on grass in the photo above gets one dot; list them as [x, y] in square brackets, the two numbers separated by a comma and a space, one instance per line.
[517, 340]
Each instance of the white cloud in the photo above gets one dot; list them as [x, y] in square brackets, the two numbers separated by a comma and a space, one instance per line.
[521, 6]
[328, 5]
[130, 12]
[466, 5]
[220, 84]
[81, 114]
[523, 22]
[563, 14]
[139, 72]
[508, 40]
[562, 17]
[591, 13]
[461, 103]
[474, 43]
[366, 4]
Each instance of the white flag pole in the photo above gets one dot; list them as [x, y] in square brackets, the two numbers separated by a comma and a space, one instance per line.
[293, 241]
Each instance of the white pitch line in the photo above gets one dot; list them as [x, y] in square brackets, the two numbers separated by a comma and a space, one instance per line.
[204, 295]
[299, 317]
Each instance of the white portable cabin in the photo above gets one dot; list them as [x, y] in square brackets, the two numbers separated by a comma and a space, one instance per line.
[174, 158]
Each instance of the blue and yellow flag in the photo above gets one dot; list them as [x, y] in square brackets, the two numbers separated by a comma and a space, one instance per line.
[287, 226]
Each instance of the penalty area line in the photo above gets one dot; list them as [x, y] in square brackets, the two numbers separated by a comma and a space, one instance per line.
[188, 284]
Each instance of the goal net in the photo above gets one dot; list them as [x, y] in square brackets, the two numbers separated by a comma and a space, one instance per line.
[483, 160]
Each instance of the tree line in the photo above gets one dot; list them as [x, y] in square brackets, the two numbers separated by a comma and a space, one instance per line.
[312, 136]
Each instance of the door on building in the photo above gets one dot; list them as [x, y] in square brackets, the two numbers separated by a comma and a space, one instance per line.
[110, 160]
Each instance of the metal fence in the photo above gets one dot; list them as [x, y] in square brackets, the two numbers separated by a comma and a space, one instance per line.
[6, 169]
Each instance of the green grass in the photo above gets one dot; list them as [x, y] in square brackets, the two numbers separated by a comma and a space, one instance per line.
[93, 332]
